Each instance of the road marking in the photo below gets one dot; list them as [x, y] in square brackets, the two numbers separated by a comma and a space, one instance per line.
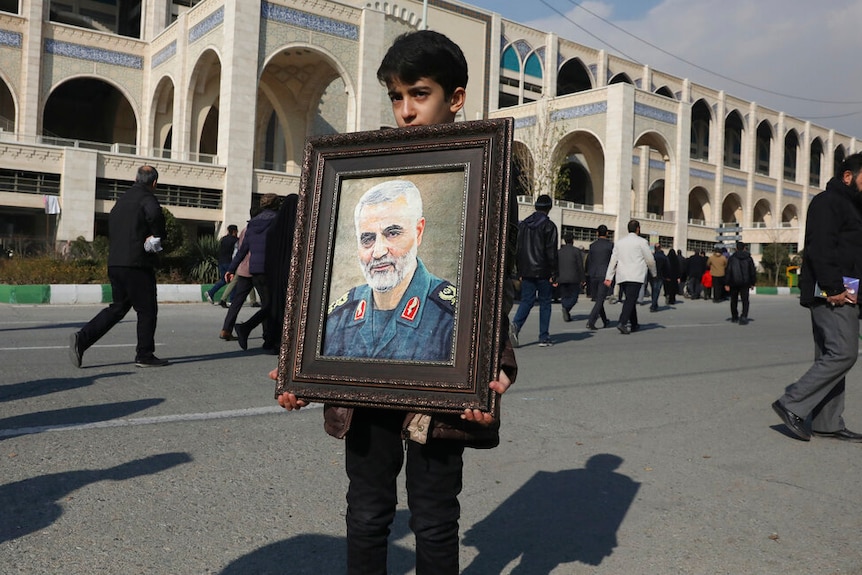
[252, 411]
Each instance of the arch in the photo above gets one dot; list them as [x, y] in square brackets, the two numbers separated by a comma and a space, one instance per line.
[666, 92]
[510, 60]
[790, 216]
[763, 148]
[701, 119]
[699, 207]
[90, 109]
[581, 155]
[533, 66]
[204, 93]
[8, 106]
[791, 155]
[621, 78]
[762, 214]
[162, 115]
[655, 198]
[733, 130]
[815, 163]
[731, 209]
[523, 167]
[838, 161]
[573, 77]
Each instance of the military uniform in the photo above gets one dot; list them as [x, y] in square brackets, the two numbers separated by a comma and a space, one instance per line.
[420, 328]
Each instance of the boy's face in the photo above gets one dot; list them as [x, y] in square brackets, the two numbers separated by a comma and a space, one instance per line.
[423, 103]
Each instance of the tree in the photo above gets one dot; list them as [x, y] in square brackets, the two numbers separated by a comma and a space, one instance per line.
[774, 260]
[549, 175]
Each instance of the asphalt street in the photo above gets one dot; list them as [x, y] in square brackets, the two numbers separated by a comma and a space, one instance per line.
[650, 453]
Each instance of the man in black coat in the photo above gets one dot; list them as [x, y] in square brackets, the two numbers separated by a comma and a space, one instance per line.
[832, 253]
[571, 277]
[598, 259]
[695, 267]
[741, 276]
[135, 228]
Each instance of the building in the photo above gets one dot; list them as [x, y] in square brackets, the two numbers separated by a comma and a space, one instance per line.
[220, 96]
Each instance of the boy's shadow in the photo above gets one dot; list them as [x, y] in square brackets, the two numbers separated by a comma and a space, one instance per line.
[555, 518]
[312, 554]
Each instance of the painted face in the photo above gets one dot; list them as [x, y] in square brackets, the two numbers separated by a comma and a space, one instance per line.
[423, 103]
[388, 238]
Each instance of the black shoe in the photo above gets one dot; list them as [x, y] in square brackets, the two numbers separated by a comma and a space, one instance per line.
[241, 335]
[151, 361]
[591, 327]
[793, 422]
[604, 323]
[623, 329]
[842, 435]
[76, 354]
[635, 328]
[743, 321]
[566, 315]
[256, 304]
[653, 309]
[222, 303]
[734, 319]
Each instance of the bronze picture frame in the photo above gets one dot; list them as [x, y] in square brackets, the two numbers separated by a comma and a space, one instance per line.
[438, 348]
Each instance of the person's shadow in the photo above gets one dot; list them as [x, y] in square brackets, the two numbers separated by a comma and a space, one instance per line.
[555, 518]
[312, 553]
[31, 504]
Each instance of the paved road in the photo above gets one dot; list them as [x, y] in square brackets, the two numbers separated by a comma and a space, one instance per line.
[654, 453]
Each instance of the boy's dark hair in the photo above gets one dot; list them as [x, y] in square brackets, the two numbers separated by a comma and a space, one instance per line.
[425, 54]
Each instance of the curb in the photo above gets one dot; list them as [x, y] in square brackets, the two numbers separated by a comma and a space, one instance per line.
[67, 294]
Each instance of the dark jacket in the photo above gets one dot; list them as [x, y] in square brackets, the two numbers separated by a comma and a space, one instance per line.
[136, 216]
[833, 241]
[254, 242]
[537, 247]
[662, 267]
[571, 265]
[740, 270]
[225, 249]
[599, 257]
[695, 266]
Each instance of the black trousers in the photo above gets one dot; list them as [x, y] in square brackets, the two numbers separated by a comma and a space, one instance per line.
[130, 288]
[600, 292]
[738, 293]
[374, 456]
[629, 313]
[243, 287]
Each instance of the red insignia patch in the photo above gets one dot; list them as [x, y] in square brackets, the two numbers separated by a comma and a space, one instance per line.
[411, 309]
[359, 312]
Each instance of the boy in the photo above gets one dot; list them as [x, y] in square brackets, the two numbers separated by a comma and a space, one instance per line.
[425, 74]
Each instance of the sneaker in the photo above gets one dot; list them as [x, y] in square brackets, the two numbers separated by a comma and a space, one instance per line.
[546, 343]
[209, 298]
[151, 361]
[513, 335]
[76, 354]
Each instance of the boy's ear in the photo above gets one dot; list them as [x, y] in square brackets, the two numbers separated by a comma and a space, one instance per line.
[457, 99]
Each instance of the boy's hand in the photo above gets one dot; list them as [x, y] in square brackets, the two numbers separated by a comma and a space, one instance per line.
[287, 400]
[500, 385]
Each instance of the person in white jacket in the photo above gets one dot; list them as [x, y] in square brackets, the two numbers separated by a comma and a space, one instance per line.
[630, 261]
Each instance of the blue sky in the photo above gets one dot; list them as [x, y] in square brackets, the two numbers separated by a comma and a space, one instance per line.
[796, 56]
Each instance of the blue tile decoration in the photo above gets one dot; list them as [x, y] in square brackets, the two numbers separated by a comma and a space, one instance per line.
[100, 55]
[792, 193]
[694, 172]
[579, 111]
[657, 164]
[655, 114]
[764, 187]
[301, 19]
[206, 25]
[527, 122]
[540, 52]
[9, 38]
[636, 160]
[165, 54]
[523, 48]
[734, 181]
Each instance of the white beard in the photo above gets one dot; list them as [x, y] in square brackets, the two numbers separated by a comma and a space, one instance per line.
[401, 268]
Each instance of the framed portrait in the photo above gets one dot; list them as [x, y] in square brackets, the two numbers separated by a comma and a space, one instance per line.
[396, 291]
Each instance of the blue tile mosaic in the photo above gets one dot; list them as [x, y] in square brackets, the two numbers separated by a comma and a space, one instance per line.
[764, 187]
[165, 54]
[9, 38]
[207, 24]
[655, 114]
[100, 55]
[579, 111]
[657, 164]
[527, 122]
[523, 48]
[734, 181]
[310, 21]
[792, 193]
[540, 52]
[695, 173]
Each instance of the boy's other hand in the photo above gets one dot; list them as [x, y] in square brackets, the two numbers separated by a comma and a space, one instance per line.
[287, 400]
[500, 385]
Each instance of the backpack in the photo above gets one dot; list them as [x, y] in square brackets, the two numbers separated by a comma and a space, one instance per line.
[739, 272]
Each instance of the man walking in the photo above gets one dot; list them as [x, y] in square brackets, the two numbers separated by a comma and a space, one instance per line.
[537, 266]
[135, 228]
[598, 259]
[833, 251]
[740, 278]
[661, 277]
[571, 278]
[226, 247]
[629, 263]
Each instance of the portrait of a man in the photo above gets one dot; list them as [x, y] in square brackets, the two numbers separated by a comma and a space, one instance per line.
[402, 311]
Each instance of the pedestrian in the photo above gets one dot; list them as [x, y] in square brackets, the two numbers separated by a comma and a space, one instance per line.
[717, 265]
[695, 266]
[254, 244]
[425, 74]
[706, 282]
[279, 245]
[537, 267]
[741, 276]
[661, 277]
[671, 283]
[630, 262]
[832, 252]
[598, 258]
[571, 275]
[241, 285]
[136, 226]
[226, 247]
